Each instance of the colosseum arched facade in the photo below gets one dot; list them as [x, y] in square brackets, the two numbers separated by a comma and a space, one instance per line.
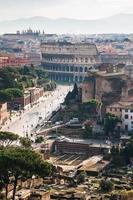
[68, 62]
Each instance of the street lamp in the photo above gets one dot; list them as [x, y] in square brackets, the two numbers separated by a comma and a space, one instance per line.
[100, 112]
[45, 111]
[51, 105]
[23, 131]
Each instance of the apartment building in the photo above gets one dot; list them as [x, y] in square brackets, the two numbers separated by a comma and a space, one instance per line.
[30, 97]
[123, 110]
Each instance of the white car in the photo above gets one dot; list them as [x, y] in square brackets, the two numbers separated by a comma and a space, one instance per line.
[59, 123]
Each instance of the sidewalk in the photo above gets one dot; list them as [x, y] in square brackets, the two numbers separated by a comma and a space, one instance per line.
[32, 118]
[16, 117]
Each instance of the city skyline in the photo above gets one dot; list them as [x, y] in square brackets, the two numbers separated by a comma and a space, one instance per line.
[77, 9]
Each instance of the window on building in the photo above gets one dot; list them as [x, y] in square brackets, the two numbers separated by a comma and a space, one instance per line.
[76, 69]
[71, 69]
[81, 59]
[76, 79]
[131, 111]
[76, 59]
[81, 69]
[59, 68]
[126, 116]
[126, 127]
[85, 69]
[120, 109]
[91, 59]
[115, 109]
[126, 110]
[131, 122]
[86, 60]
[80, 79]
[67, 68]
[110, 109]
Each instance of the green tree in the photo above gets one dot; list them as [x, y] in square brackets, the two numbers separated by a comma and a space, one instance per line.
[7, 138]
[25, 142]
[68, 98]
[39, 139]
[115, 150]
[81, 177]
[7, 78]
[117, 158]
[14, 92]
[20, 163]
[26, 70]
[10, 94]
[48, 86]
[23, 77]
[4, 96]
[110, 122]
[106, 185]
[88, 130]
[72, 95]
[127, 152]
[91, 106]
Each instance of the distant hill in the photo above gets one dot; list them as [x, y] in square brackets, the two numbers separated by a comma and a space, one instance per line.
[121, 23]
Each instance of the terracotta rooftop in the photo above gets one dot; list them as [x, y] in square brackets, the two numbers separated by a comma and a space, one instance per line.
[96, 167]
[122, 104]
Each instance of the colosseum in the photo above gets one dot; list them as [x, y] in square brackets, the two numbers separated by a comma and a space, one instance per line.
[67, 61]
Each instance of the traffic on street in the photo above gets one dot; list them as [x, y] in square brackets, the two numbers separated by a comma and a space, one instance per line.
[29, 122]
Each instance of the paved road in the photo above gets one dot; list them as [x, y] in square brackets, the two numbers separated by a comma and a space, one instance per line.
[30, 119]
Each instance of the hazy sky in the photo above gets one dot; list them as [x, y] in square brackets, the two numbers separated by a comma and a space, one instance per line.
[80, 9]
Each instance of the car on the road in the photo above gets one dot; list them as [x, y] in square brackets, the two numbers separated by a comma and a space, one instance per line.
[58, 122]
[74, 123]
[54, 112]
